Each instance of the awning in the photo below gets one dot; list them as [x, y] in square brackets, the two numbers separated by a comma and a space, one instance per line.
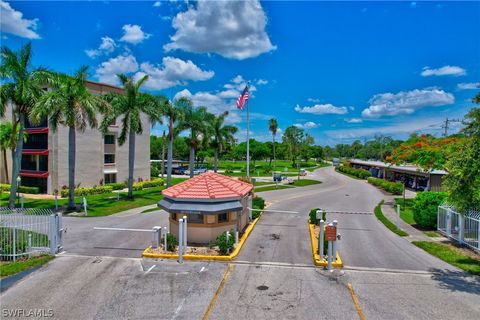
[110, 170]
[193, 207]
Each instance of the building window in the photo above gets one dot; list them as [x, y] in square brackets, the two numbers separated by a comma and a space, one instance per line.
[110, 178]
[109, 158]
[109, 139]
[223, 217]
[195, 218]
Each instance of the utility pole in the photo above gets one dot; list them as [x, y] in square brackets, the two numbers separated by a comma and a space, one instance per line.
[446, 125]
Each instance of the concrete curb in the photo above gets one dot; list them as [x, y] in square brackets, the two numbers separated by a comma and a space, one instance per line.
[230, 257]
[316, 258]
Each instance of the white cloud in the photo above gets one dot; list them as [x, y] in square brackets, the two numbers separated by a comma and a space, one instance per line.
[406, 102]
[467, 86]
[172, 72]
[133, 34]
[12, 21]
[106, 47]
[107, 71]
[306, 125]
[232, 29]
[322, 109]
[443, 71]
[157, 4]
[354, 120]
[262, 82]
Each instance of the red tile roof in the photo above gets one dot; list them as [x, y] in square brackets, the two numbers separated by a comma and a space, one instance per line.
[209, 185]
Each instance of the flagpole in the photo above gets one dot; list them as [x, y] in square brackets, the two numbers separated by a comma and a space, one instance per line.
[248, 138]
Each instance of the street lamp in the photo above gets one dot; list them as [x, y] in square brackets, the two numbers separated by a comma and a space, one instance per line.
[19, 180]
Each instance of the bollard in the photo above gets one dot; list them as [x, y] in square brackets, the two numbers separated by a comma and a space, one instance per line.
[318, 215]
[180, 240]
[29, 245]
[156, 234]
[85, 206]
[236, 239]
[330, 249]
[334, 244]
[398, 216]
[165, 238]
[227, 235]
[22, 201]
[321, 239]
[185, 234]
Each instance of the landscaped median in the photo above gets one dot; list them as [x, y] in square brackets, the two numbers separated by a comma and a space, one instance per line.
[202, 253]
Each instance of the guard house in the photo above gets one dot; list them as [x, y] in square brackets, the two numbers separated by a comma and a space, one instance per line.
[212, 203]
[411, 176]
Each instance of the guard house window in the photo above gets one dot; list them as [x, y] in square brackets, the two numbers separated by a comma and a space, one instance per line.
[110, 178]
[223, 217]
[109, 158]
[195, 218]
[109, 139]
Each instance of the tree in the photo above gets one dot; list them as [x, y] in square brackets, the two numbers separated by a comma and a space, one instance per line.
[22, 86]
[222, 136]
[293, 138]
[273, 127]
[196, 121]
[69, 103]
[463, 180]
[130, 105]
[173, 113]
[7, 141]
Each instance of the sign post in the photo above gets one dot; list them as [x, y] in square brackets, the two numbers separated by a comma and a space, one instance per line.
[180, 240]
[321, 239]
[330, 236]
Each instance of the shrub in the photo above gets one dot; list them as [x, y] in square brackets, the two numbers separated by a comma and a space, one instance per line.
[257, 203]
[80, 192]
[171, 242]
[117, 186]
[392, 187]
[425, 207]
[313, 216]
[223, 245]
[154, 171]
[153, 183]
[22, 189]
[359, 173]
[137, 186]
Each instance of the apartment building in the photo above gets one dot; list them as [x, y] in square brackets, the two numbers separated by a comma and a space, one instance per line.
[99, 159]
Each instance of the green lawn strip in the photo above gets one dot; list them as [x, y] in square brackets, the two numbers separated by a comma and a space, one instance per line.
[255, 174]
[406, 212]
[318, 166]
[305, 182]
[451, 255]
[11, 268]
[432, 234]
[268, 188]
[386, 222]
[349, 175]
[280, 164]
[263, 183]
[150, 210]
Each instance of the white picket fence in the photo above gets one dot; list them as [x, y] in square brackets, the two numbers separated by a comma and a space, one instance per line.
[24, 232]
[463, 228]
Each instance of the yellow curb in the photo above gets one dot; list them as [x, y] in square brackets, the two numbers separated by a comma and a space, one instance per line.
[230, 257]
[316, 258]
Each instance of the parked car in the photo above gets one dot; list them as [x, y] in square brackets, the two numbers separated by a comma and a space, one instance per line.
[196, 171]
[303, 172]
[179, 170]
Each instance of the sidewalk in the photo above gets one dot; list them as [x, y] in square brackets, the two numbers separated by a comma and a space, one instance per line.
[414, 234]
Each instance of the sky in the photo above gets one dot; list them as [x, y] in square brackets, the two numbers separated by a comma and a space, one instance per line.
[339, 70]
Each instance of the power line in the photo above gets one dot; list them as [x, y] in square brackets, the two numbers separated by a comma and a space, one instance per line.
[446, 125]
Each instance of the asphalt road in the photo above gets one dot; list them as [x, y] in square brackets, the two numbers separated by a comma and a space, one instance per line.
[101, 277]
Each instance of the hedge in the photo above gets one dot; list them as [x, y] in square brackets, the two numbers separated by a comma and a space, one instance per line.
[22, 189]
[392, 187]
[257, 203]
[359, 173]
[425, 207]
[117, 186]
[147, 184]
[79, 192]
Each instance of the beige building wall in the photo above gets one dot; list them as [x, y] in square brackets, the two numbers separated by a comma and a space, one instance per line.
[3, 177]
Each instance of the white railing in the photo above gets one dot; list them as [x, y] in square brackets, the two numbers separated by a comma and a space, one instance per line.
[24, 232]
[461, 227]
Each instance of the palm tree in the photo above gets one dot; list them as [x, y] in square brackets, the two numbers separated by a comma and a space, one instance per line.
[222, 136]
[196, 120]
[131, 104]
[273, 127]
[71, 104]
[22, 86]
[173, 112]
[6, 130]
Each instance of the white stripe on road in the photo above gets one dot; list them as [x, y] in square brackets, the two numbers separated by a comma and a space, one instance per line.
[150, 269]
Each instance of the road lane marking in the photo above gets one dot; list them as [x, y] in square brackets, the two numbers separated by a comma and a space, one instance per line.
[274, 264]
[356, 303]
[217, 293]
[386, 270]
[150, 269]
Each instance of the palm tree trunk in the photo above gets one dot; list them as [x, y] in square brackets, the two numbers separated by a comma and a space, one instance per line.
[192, 161]
[274, 158]
[170, 155]
[6, 167]
[162, 167]
[72, 150]
[215, 161]
[131, 162]
[17, 160]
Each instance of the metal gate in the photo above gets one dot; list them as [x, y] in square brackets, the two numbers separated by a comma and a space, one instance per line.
[28, 231]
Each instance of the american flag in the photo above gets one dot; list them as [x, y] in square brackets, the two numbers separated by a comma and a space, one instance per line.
[242, 98]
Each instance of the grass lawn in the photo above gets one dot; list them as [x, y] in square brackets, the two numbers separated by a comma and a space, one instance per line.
[318, 166]
[280, 164]
[258, 174]
[268, 188]
[451, 255]
[390, 225]
[263, 183]
[105, 204]
[305, 182]
[150, 210]
[432, 234]
[10, 268]
[406, 213]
